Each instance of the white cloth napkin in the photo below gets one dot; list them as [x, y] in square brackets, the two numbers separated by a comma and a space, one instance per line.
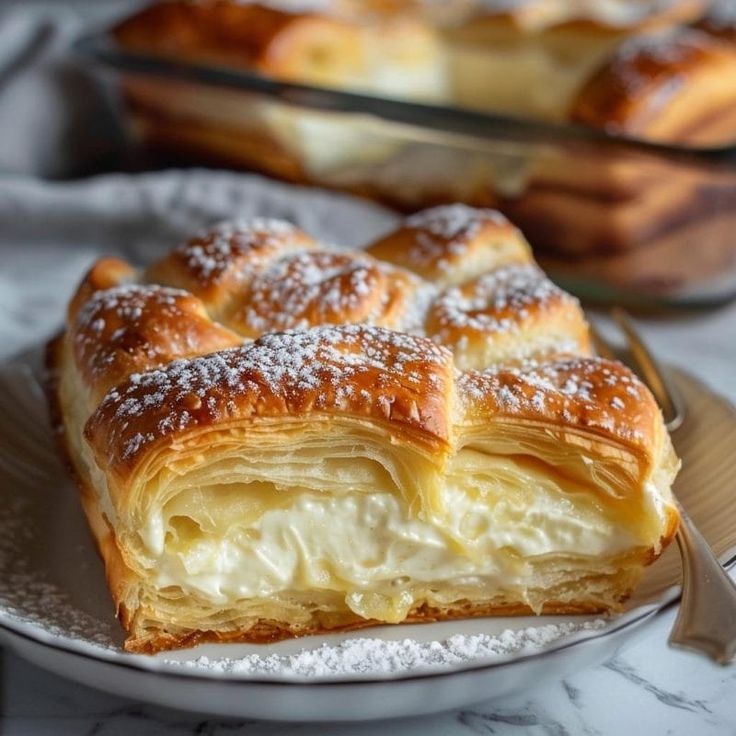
[51, 232]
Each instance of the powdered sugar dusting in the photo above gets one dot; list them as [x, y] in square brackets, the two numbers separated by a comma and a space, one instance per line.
[445, 231]
[378, 657]
[450, 221]
[136, 327]
[322, 367]
[112, 318]
[213, 252]
[312, 288]
[126, 303]
[498, 301]
[592, 392]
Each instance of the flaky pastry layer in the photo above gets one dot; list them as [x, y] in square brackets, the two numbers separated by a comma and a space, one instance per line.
[343, 471]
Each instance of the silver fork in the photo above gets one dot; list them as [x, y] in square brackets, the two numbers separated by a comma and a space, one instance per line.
[706, 620]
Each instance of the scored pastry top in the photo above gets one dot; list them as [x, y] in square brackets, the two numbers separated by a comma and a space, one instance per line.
[323, 287]
[580, 391]
[343, 333]
[363, 371]
[214, 264]
[482, 319]
[449, 244]
[462, 277]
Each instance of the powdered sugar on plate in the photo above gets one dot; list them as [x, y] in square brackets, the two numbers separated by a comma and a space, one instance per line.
[380, 658]
[51, 581]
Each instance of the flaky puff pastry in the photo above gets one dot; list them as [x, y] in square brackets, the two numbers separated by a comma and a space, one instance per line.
[340, 475]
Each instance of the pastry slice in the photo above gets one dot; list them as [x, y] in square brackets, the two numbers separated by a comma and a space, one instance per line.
[349, 472]
[346, 476]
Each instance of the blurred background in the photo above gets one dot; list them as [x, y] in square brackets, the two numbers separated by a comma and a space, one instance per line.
[605, 129]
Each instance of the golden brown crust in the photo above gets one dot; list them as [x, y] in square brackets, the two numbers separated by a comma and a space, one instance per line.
[354, 371]
[450, 244]
[262, 275]
[671, 89]
[131, 328]
[324, 287]
[294, 374]
[104, 274]
[481, 321]
[597, 395]
[159, 352]
[216, 264]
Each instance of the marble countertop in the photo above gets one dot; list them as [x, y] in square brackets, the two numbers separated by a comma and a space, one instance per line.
[644, 688]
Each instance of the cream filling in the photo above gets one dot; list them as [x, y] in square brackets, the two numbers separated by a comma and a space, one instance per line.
[364, 545]
[251, 541]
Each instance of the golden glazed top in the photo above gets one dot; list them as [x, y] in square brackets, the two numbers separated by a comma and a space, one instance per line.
[675, 88]
[343, 335]
[356, 370]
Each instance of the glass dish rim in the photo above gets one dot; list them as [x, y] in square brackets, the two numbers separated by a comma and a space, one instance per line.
[100, 47]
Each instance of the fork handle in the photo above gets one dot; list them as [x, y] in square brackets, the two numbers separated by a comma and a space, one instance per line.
[706, 621]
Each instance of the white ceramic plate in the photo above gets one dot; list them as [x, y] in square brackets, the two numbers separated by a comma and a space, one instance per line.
[56, 611]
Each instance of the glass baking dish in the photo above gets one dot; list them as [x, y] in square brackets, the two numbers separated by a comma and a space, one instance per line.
[610, 218]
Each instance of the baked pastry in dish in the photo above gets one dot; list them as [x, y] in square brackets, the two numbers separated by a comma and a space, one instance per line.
[531, 57]
[647, 224]
[396, 54]
[675, 89]
[276, 438]
[528, 57]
